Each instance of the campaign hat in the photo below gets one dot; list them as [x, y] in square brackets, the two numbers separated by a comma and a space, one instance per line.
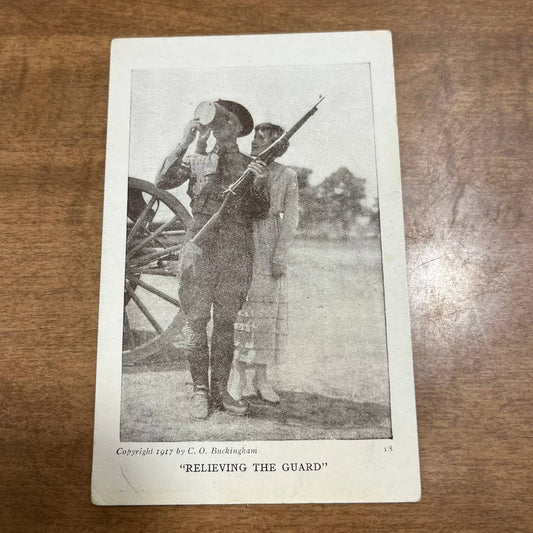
[244, 116]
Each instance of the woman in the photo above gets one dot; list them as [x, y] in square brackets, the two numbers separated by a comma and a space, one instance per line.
[261, 327]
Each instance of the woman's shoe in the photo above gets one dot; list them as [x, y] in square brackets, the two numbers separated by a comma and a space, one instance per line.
[264, 388]
[268, 394]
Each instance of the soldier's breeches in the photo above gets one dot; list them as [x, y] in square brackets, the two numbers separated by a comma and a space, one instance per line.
[222, 287]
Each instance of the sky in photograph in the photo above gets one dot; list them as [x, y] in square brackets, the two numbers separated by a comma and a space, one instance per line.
[339, 134]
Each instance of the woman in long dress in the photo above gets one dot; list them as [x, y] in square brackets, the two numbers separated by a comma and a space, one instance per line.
[261, 327]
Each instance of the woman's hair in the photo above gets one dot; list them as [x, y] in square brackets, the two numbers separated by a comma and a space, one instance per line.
[276, 131]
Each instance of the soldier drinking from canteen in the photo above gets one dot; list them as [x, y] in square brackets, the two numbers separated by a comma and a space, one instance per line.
[215, 273]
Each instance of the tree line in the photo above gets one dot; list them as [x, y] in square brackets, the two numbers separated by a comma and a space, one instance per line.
[334, 208]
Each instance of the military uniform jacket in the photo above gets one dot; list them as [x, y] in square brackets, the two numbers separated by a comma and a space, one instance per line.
[208, 176]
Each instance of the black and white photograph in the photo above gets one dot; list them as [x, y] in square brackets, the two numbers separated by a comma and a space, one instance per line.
[253, 196]
[270, 324]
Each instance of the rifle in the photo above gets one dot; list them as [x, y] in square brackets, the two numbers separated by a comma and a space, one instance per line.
[268, 155]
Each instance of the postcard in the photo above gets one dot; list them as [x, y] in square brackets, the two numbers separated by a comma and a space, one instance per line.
[254, 340]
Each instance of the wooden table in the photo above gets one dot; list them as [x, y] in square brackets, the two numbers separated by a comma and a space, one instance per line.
[463, 77]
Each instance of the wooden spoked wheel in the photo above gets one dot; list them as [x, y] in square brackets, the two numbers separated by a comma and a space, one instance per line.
[155, 234]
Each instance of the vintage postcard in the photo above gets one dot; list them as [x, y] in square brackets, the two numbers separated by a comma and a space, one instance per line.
[254, 341]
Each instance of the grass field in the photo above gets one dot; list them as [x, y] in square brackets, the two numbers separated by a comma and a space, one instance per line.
[337, 343]
[333, 378]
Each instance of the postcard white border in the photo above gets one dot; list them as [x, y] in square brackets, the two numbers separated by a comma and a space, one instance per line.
[357, 471]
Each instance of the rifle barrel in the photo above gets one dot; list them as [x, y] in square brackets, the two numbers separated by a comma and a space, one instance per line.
[303, 120]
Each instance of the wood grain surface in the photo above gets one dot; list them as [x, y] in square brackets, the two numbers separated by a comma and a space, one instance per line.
[463, 78]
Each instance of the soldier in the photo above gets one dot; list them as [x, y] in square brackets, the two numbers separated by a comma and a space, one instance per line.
[216, 274]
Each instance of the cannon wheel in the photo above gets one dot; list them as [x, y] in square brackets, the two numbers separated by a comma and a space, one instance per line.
[155, 233]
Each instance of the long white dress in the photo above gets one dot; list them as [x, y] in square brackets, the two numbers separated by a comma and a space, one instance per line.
[261, 327]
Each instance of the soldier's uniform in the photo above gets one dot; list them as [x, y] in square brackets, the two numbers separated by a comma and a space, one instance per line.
[222, 274]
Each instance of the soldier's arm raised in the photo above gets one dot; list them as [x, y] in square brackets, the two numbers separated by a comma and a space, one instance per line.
[175, 169]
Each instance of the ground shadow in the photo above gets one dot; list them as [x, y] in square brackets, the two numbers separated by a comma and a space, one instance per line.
[155, 408]
[316, 410]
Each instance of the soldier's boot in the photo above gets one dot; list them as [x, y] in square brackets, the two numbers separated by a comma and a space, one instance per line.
[233, 407]
[198, 406]
[222, 400]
